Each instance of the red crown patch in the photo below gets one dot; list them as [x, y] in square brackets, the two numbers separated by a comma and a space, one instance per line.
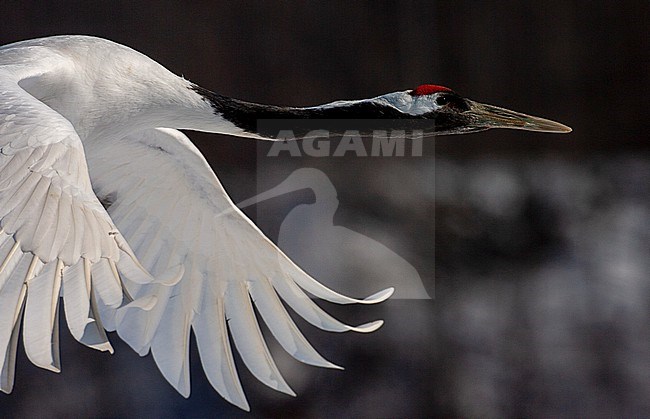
[429, 89]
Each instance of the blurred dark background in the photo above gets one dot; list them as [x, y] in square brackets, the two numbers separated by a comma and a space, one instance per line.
[535, 246]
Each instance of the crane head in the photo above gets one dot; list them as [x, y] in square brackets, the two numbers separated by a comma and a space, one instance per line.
[454, 114]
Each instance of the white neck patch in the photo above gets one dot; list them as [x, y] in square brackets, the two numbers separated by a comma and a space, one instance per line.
[406, 103]
[402, 101]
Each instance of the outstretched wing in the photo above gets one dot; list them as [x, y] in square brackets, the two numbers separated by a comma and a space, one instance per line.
[172, 209]
[55, 236]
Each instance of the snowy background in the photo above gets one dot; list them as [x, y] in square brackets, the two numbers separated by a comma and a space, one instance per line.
[536, 248]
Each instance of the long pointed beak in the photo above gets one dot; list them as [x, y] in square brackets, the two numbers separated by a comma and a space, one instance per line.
[490, 116]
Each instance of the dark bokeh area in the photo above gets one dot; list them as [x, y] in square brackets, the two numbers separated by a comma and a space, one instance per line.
[535, 246]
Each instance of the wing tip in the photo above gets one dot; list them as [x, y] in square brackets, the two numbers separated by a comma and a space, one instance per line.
[287, 390]
[333, 366]
[240, 403]
[103, 347]
[317, 361]
[379, 297]
[53, 368]
[48, 365]
[368, 327]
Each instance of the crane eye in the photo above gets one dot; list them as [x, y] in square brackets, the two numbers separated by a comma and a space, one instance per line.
[442, 100]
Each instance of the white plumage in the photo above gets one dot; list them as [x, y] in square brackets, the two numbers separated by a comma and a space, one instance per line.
[84, 119]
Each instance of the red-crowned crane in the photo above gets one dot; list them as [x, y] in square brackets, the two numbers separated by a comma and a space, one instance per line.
[105, 203]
